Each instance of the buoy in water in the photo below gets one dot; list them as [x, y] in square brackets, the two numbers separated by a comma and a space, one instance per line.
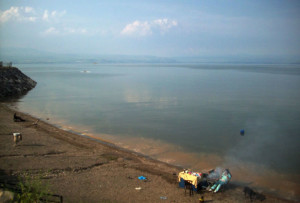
[242, 132]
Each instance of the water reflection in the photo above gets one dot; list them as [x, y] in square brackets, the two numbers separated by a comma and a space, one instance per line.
[143, 97]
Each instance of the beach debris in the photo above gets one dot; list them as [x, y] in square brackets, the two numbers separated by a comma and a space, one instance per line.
[201, 199]
[18, 118]
[142, 178]
[211, 180]
[36, 122]
[138, 188]
[163, 197]
[225, 178]
[17, 137]
[242, 132]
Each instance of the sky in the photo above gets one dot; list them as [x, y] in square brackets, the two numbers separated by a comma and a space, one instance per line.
[165, 28]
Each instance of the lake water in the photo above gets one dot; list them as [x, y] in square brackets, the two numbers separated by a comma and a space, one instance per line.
[185, 114]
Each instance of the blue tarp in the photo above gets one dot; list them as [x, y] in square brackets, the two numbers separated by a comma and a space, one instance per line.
[142, 178]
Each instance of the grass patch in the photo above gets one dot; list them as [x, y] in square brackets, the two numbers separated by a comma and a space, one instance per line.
[32, 190]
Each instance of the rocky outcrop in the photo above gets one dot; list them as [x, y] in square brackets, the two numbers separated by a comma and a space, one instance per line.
[14, 83]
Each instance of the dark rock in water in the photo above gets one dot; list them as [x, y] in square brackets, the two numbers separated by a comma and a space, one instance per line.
[14, 83]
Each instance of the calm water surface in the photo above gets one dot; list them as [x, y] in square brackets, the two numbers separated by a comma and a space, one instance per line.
[200, 108]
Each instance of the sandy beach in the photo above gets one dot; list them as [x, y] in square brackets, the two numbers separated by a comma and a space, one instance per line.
[83, 170]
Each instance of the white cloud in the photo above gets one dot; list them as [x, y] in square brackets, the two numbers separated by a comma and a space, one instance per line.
[165, 23]
[64, 31]
[18, 14]
[32, 19]
[75, 31]
[137, 27]
[147, 28]
[47, 16]
[51, 30]
[53, 13]
[27, 13]
[29, 9]
[12, 13]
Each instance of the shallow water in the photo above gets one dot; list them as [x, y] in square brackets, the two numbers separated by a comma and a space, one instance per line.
[183, 114]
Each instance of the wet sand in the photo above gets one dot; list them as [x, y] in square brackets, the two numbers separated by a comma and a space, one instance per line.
[83, 170]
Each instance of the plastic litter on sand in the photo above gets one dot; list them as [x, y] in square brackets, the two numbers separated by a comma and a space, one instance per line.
[142, 178]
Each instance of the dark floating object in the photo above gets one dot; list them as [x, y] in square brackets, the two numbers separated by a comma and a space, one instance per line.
[242, 131]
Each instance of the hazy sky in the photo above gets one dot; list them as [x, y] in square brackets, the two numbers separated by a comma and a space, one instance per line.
[159, 28]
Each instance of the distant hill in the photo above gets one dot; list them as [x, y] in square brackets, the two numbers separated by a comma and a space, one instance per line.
[26, 55]
[22, 55]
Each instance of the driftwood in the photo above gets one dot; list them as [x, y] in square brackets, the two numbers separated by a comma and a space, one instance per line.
[36, 122]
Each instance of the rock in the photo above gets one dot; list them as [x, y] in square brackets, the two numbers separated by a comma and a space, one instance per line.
[14, 83]
[6, 196]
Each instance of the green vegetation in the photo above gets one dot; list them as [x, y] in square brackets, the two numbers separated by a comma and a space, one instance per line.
[32, 190]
